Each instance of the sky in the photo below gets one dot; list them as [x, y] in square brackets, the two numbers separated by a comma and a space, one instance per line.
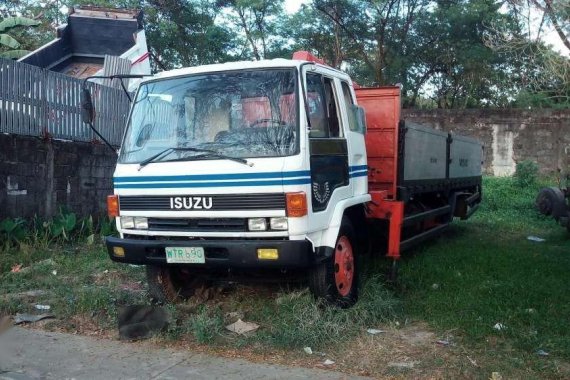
[292, 6]
[552, 38]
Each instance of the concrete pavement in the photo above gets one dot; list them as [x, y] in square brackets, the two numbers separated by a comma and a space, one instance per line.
[34, 354]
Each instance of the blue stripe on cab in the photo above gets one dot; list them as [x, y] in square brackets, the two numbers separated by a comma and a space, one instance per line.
[299, 177]
[362, 173]
[172, 185]
[358, 168]
[208, 177]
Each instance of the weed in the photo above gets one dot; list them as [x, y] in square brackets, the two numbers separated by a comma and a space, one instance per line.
[107, 227]
[526, 173]
[12, 231]
[67, 281]
[510, 207]
[206, 324]
[63, 225]
[64, 228]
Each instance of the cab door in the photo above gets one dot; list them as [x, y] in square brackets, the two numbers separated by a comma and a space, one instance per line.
[354, 130]
[328, 148]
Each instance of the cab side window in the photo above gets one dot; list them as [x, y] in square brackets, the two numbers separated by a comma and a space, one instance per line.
[349, 104]
[323, 113]
[332, 111]
[316, 105]
[355, 119]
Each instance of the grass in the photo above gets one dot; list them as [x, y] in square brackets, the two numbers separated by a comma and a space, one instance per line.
[295, 320]
[485, 272]
[288, 319]
[76, 281]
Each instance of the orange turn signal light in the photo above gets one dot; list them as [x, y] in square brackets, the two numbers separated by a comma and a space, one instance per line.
[296, 204]
[113, 205]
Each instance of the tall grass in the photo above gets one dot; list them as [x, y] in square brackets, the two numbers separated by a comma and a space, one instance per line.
[288, 319]
[296, 320]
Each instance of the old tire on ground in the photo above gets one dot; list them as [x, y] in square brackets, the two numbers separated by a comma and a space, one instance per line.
[335, 280]
[170, 284]
[550, 201]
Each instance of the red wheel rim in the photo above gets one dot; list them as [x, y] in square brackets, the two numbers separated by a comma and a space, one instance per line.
[343, 266]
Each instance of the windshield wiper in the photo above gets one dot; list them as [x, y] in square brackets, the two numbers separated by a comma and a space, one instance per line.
[213, 154]
[167, 151]
[208, 153]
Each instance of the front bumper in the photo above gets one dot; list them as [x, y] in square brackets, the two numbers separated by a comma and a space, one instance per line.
[293, 254]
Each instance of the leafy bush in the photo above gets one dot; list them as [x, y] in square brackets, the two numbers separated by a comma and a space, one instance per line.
[65, 227]
[526, 173]
[107, 227]
[13, 230]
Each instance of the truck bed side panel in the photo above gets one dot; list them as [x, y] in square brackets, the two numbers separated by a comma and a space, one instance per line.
[424, 155]
[466, 155]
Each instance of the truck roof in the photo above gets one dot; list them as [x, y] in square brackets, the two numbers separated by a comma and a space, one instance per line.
[240, 65]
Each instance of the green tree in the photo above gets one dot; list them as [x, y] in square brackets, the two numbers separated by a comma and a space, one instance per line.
[11, 48]
[185, 33]
[459, 70]
[434, 49]
[258, 20]
[312, 30]
[542, 74]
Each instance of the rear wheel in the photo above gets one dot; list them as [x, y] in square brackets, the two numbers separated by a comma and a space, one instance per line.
[335, 280]
[171, 284]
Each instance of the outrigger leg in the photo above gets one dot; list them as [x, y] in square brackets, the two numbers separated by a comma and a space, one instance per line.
[393, 212]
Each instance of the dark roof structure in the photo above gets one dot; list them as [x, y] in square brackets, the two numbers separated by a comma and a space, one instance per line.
[90, 33]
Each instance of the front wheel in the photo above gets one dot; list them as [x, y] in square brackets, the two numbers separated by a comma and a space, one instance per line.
[335, 280]
[171, 284]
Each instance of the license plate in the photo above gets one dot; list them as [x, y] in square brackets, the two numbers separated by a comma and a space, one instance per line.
[185, 255]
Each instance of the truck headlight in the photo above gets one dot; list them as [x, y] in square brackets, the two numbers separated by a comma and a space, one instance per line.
[279, 223]
[257, 224]
[127, 222]
[141, 223]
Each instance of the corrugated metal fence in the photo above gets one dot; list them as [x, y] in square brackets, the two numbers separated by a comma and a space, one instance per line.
[38, 102]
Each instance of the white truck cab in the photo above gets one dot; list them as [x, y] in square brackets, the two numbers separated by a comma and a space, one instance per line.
[242, 166]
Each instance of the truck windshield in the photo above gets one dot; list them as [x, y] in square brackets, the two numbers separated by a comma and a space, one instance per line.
[242, 114]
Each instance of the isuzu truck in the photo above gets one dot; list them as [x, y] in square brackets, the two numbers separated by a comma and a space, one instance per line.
[268, 168]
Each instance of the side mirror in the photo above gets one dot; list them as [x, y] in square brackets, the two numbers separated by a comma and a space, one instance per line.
[87, 109]
[361, 119]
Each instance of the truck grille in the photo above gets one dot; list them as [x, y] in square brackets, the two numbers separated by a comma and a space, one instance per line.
[225, 202]
[198, 224]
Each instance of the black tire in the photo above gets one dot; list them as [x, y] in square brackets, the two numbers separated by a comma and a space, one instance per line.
[170, 284]
[330, 280]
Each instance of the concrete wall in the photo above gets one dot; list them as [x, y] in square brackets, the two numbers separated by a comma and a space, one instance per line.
[510, 136]
[38, 176]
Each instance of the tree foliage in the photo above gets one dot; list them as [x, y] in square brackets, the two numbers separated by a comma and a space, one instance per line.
[257, 20]
[183, 33]
[542, 76]
[11, 48]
